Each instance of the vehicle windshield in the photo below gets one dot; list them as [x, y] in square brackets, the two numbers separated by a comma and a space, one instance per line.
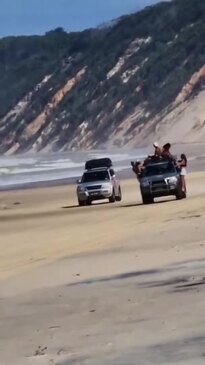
[159, 169]
[95, 176]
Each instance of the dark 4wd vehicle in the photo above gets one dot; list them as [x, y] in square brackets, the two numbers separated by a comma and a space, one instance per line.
[160, 179]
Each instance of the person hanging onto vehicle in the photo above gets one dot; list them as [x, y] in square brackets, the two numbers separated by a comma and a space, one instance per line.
[137, 167]
[182, 164]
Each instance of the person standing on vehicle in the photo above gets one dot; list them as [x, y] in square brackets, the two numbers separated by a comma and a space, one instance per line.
[182, 164]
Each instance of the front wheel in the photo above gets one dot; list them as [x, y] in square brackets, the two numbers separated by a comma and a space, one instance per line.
[112, 199]
[81, 203]
[179, 194]
[119, 197]
[147, 199]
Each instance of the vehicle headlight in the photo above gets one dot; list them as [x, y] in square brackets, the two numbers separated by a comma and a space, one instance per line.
[145, 184]
[172, 180]
[106, 187]
[80, 188]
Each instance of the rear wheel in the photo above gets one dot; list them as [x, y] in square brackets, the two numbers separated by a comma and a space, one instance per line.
[179, 194]
[147, 199]
[112, 198]
[119, 197]
[81, 203]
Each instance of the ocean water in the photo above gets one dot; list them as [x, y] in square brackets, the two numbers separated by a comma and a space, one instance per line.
[22, 170]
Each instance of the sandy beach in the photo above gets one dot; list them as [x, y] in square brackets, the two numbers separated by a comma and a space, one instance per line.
[108, 284]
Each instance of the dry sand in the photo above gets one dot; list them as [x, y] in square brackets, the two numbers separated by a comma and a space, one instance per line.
[114, 284]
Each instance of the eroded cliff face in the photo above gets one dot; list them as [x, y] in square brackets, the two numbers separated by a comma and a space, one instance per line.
[189, 87]
[127, 86]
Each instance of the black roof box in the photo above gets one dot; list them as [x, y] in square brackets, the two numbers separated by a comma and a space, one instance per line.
[98, 163]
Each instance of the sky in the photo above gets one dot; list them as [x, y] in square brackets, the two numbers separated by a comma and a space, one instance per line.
[25, 17]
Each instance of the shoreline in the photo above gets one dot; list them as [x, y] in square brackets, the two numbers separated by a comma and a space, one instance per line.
[196, 164]
[122, 175]
[194, 152]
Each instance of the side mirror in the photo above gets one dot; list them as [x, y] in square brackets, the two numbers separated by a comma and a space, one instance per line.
[78, 181]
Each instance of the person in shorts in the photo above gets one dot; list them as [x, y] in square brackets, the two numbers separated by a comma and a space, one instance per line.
[182, 164]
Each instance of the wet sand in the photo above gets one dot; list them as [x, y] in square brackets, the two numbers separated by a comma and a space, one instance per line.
[108, 284]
